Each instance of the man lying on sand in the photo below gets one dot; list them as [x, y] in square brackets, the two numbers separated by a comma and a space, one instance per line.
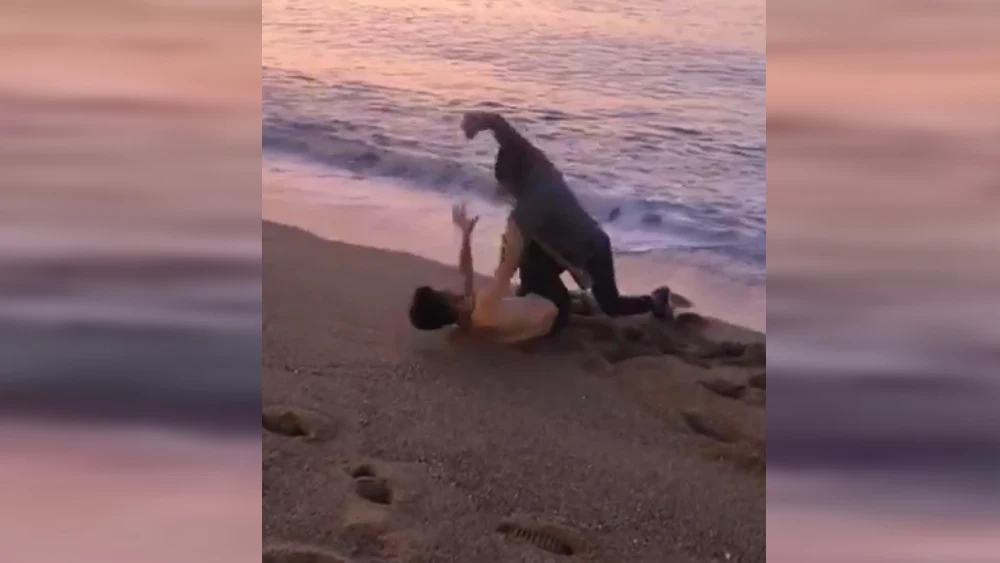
[548, 232]
[491, 314]
[552, 230]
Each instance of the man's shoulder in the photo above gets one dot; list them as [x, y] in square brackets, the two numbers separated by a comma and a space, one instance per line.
[545, 176]
[545, 191]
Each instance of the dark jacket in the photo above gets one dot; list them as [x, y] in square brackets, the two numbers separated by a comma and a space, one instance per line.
[546, 209]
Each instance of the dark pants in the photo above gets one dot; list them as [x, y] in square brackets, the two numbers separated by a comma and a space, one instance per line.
[540, 275]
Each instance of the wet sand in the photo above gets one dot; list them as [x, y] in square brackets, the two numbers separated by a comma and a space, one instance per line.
[381, 443]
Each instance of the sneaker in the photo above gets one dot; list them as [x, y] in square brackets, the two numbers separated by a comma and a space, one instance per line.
[661, 304]
[679, 301]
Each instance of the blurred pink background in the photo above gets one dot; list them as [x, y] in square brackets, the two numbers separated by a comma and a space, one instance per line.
[114, 494]
[883, 244]
[129, 215]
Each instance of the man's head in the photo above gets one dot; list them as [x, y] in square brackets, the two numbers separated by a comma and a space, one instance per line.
[431, 309]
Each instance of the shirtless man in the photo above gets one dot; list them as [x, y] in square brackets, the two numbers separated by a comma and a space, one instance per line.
[552, 232]
[492, 314]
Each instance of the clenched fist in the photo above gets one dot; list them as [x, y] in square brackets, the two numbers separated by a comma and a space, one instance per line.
[474, 122]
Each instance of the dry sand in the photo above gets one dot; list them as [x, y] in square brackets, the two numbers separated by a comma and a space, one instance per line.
[384, 444]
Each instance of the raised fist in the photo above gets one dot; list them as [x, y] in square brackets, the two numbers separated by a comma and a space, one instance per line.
[474, 122]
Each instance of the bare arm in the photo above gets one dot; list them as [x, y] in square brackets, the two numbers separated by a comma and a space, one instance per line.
[509, 263]
[460, 217]
[465, 265]
[510, 258]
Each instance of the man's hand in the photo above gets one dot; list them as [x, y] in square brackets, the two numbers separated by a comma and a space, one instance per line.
[474, 122]
[460, 217]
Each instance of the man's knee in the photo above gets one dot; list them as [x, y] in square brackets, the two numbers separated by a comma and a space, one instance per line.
[607, 300]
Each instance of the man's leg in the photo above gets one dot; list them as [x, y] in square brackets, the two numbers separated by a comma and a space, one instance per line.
[540, 275]
[605, 289]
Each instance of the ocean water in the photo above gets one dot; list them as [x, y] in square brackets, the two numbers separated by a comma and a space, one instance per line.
[654, 111]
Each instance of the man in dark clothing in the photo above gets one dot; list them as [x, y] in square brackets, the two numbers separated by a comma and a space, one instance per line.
[554, 232]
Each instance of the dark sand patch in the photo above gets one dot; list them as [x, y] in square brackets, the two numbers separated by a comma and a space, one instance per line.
[724, 387]
[696, 340]
[374, 489]
[707, 425]
[677, 392]
[297, 423]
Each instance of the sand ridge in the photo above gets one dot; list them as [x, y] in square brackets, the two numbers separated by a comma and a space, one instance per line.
[393, 445]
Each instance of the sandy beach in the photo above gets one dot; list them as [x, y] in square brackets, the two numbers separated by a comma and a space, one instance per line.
[384, 444]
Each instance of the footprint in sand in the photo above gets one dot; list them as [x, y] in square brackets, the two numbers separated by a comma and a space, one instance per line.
[297, 423]
[369, 486]
[724, 387]
[548, 537]
[367, 516]
[709, 427]
[291, 553]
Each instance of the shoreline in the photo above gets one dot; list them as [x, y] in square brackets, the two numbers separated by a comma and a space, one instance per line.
[420, 224]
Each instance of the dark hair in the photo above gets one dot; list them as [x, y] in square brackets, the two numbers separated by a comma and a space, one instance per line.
[431, 309]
